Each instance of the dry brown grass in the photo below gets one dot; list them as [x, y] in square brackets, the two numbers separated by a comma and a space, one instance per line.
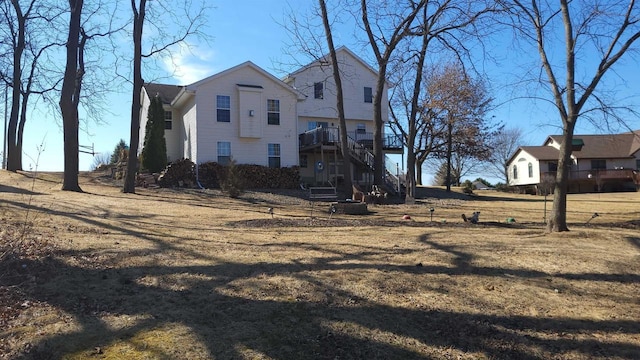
[167, 274]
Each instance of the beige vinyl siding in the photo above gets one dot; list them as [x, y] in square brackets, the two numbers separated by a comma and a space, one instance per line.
[355, 77]
[248, 143]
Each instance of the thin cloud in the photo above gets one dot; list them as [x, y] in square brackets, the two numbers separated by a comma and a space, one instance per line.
[189, 64]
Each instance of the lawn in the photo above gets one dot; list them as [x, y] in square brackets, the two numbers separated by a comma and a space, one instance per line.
[192, 274]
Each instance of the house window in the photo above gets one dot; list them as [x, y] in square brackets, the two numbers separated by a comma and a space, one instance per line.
[515, 172]
[274, 155]
[168, 120]
[318, 90]
[223, 104]
[224, 152]
[361, 129]
[368, 94]
[599, 164]
[553, 167]
[273, 112]
[638, 164]
[530, 170]
[304, 160]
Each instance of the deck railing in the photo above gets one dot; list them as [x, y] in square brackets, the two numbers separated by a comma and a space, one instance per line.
[601, 175]
[331, 135]
[360, 145]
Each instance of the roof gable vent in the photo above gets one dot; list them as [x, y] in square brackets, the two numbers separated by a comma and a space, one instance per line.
[577, 144]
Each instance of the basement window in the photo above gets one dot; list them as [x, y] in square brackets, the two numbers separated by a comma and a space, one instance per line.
[224, 152]
[274, 155]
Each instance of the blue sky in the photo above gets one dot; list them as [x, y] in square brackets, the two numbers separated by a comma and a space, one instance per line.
[250, 30]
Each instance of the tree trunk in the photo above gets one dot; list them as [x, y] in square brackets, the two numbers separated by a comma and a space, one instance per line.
[413, 121]
[132, 161]
[449, 152]
[419, 164]
[20, 135]
[14, 154]
[506, 175]
[558, 218]
[344, 143]
[68, 105]
[378, 123]
[410, 181]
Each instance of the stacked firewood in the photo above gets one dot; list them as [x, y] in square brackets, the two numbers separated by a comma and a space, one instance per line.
[146, 180]
[212, 174]
[180, 173]
[119, 169]
[262, 177]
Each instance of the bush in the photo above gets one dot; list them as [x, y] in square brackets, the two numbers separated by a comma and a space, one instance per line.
[506, 188]
[467, 187]
[233, 182]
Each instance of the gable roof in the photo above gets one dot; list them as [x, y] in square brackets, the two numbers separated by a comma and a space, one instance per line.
[166, 92]
[542, 152]
[608, 146]
[326, 58]
[611, 146]
[635, 145]
[246, 64]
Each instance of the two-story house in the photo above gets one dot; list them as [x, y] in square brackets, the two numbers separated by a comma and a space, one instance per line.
[247, 114]
[598, 163]
[244, 113]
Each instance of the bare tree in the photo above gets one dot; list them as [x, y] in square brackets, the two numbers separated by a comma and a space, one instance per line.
[594, 32]
[385, 26]
[69, 99]
[80, 33]
[189, 20]
[441, 27]
[139, 12]
[411, 109]
[29, 35]
[505, 143]
[431, 138]
[346, 163]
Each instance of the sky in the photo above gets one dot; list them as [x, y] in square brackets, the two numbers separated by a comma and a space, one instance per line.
[244, 30]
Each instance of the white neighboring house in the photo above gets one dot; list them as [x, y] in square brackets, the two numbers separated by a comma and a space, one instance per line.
[598, 163]
[318, 117]
[244, 113]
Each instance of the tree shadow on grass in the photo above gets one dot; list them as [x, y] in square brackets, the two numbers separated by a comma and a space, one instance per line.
[335, 324]
[635, 241]
[17, 190]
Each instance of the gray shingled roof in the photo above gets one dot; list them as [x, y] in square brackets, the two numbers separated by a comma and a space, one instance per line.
[166, 92]
[635, 145]
[542, 152]
[605, 146]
